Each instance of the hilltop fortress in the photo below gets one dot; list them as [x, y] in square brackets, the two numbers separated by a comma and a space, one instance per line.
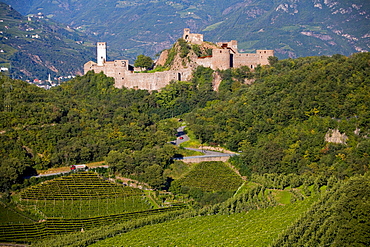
[225, 55]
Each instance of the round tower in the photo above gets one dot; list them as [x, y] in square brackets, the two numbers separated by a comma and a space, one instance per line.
[101, 53]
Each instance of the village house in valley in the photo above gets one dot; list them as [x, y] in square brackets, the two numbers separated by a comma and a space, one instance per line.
[225, 55]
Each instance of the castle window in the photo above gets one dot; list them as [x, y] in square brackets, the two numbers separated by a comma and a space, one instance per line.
[251, 66]
[265, 51]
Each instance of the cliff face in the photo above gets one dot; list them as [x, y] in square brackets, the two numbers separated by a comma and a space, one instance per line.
[162, 58]
[183, 55]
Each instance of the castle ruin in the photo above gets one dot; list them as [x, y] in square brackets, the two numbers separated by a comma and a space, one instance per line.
[223, 57]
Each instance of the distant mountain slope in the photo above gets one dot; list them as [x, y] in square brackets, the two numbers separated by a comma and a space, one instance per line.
[293, 28]
[35, 46]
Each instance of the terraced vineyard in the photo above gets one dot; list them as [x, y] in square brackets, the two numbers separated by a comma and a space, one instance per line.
[255, 228]
[83, 195]
[52, 226]
[79, 186]
[9, 216]
[75, 202]
[89, 208]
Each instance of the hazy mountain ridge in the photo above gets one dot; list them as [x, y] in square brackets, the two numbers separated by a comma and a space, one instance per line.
[303, 28]
[35, 46]
[293, 28]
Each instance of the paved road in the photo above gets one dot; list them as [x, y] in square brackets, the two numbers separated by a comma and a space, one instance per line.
[182, 137]
[211, 153]
[207, 154]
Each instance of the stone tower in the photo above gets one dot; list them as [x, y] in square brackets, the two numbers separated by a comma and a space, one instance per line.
[194, 38]
[101, 53]
[222, 59]
[186, 34]
[264, 55]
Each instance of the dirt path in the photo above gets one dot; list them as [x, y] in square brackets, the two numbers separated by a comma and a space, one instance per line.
[67, 168]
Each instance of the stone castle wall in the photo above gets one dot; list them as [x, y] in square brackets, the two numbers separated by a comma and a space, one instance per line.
[112, 69]
[205, 61]
[252, 59]
[152, 81]
[224, 57]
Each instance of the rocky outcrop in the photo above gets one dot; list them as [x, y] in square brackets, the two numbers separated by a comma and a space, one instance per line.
[334, 136]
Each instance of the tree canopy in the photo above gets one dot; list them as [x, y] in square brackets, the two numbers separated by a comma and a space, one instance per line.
[279, 122]
[143, 61]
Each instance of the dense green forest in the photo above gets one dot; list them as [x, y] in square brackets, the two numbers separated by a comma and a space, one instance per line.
[87, 119]
[279, 123]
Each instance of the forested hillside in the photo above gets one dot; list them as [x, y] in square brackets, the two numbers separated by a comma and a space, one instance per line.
[279, 123]
[87, 119]
[301, 127]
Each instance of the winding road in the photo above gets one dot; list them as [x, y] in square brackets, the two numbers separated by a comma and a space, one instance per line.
[182, 137]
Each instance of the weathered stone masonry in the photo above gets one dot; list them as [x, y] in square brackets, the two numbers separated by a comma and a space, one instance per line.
[224, 57]
[124, 77]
